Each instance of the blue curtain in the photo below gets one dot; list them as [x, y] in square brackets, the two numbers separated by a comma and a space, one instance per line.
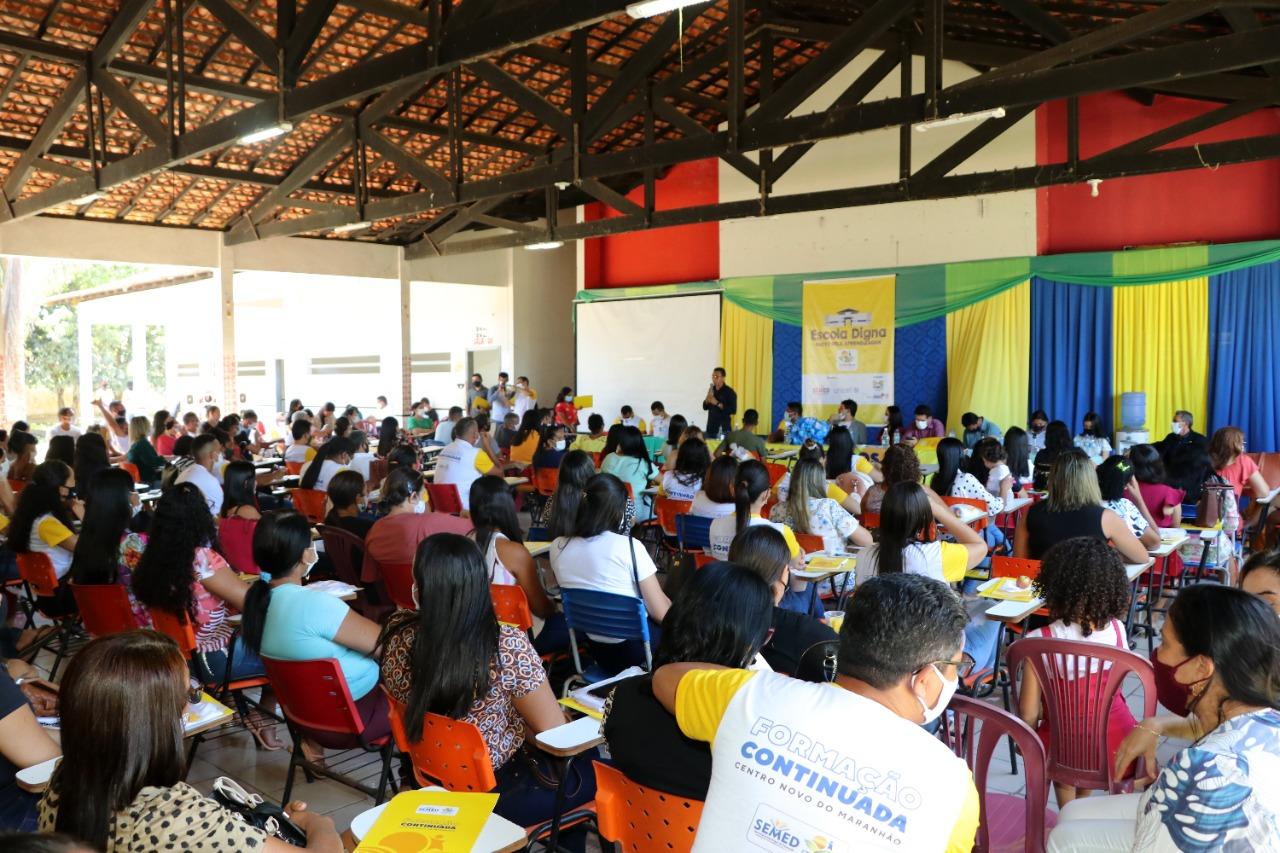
[787, 361]
[1071, 344]
[1244, 361]
[920, 367]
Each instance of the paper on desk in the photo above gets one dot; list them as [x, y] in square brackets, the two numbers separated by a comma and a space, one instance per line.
[1005, 589]
[208, 710]
[335, 588]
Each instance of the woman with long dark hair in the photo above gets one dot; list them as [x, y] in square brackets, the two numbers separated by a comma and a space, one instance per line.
[500, 539]
[595, 556]
[892, 432]
[333, 456]
[453, 658]
[722, 617]
[181, 573]
[559, 513]
[684, 480]
[1018, 453]
[631, 465]
[1057, 441]
[123, 759]
[90, 456]
[44, 523]
[957, 477]
[62, 448]
[909, 539]
[1093, 438]
[1220, 658]
[566, 414]
[388, 436]
[527, 439]
[285, 620]
[108, 518]
[22, 448]
[750, 494]
[1163, 500]
[678, 425]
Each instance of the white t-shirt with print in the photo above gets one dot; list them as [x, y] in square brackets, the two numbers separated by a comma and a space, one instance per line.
[602, 563]
[327, 469]
[673, 488]
[942, 561]
[660, 425]
[1128, 511]
[725, 528]
[704, 507]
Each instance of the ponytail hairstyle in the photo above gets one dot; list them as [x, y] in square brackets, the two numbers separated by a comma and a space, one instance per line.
[400, 485]
[342, 426]
[751, 482]
[576, 468]
[807, 481]
[279, 541]
[906, 518]
[603, 506]
[331, 448]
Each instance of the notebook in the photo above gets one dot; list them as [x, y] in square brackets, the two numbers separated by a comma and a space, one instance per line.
[441, 821]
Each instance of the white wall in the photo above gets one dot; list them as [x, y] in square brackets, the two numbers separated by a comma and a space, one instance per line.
[900, 234]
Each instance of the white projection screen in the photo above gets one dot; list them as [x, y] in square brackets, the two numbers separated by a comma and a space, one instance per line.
[635, 351]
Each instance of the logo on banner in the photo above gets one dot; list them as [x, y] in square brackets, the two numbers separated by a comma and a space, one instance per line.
[849, 317]
[848, 344]
[774, 830]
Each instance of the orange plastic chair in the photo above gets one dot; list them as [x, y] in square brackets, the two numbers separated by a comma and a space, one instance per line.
[870, 520]
[776, 472]
[450, 753]
[700, 560]
[309, 502]
[133, 471]
[639, 819]
[444, 498]
[596, 459]
[545, 480]
[37, 572]
[511, 605]
[810, 543]
[1013, 567]
[104, 608]
[181, 631]
[977, 503]
[293, 468]
[667, 509]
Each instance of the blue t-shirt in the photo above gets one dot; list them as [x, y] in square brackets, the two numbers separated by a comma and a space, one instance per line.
[301, 625]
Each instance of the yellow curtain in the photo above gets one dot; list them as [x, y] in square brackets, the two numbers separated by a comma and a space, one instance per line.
[1162, 348]
[746, 351]
[988, 360]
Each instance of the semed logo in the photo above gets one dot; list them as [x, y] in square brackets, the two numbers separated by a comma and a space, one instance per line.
[772, 830]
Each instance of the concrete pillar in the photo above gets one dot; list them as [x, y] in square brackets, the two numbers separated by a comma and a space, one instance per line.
[226, 277]
[406, 338]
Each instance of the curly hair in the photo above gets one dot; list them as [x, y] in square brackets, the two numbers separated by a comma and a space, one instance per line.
[1083, 582]
[165, 573]
[901, 465]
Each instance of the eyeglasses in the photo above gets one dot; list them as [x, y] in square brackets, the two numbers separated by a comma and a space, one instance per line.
[964, 666]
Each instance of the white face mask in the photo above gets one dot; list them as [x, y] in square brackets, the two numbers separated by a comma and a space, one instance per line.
[560, 444]
[420, 506]
[922, 423]
[944, 698]
[1177, 427]
[569, 399]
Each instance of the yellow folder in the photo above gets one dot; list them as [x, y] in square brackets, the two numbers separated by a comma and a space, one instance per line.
[439, 821]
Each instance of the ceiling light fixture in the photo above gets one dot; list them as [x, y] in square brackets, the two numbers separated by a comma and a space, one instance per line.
[960, 118]
[87, 198]
[278, 129]
[545, 246]
[351, 226]
[649, 8]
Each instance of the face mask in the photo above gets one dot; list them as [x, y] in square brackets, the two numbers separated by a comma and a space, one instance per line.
[1036, 429]
[569, 399]
[420, 506]
[1172, 693]
[921, 423]
[944, 698]
[560, 444]
[315, 558]
[1177, 428]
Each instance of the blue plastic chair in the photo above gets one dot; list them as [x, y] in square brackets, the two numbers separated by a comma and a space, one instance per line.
[693, 532]
[605, 614]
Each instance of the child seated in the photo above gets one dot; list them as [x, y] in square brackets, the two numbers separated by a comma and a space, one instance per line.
[1085, 588]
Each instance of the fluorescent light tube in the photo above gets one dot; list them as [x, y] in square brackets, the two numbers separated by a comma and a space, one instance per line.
[277, 129]
[649, 8]
[87, 198]
[545, 246]
[351, 226]
[960, 118]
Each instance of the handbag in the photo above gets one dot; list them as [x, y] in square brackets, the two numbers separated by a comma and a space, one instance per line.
[1217, 504]
[257, 812]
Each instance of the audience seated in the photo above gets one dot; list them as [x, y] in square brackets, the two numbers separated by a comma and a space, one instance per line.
[808, 509]
[976, 428]
[1036, 425]
[551, 448]
[593, 555]
[559, 514]
[631, 464]
[684, 480]
[1093, 439]
[764, 551]
[722, 617]
[901, 465]
[924, 425]
[300, 450]
[394, 538]
[527, 439]
[745, 438]
[346, 496]
[462, 462]
[90, 457]
[675, 429]
[671, 450]
[1163, 501]
[1121, 494]
[141, 452]
[659, 420]
[1230, 465]
[1260, 576]
[165, 429]
[909, 541]
[593, 441]
[851, 498]
[453, 658]
[388, 436]
[110, 518]
[1073, 508]
[23, 743]
[1185, 451]
[716, 499]
[1018, 455]
[845, 467]
[22, 451]
[199, 472]
[62, 448]
[120, 777]
[750, 494]
[899, 664]
[43, 523]
[1223, 646]
[955, 476]
[1057, 440]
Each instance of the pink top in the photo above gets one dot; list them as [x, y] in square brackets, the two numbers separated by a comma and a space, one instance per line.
[935, 429]
[164, 444]
[1239, 472]
[236, 536]
[1158, 497]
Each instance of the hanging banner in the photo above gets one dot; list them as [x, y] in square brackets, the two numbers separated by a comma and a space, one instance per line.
[848, 346]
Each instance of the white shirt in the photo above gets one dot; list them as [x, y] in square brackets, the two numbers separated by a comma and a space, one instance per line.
[631, 422]
[673, 488]
[444, 431]
[1097, 447]
[725, 528]
[827, 519]
[524, 402]
[660, 425]
[297, 452]
[72, 431]
[1129, 511]
[995, 475]
[46, 526]
[327, 469]
[919, 558]
[704, 507]
[1112, 634]
[456, 464]
[601, 563]
[208, 485]
[360, 464]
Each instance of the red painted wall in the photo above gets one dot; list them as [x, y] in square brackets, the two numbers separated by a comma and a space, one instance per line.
[1230, 204]
[666, 255]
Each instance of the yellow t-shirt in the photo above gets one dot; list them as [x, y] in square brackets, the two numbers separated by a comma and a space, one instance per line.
[833, 742]
[524, 452]
[483, 463]
[588, 444]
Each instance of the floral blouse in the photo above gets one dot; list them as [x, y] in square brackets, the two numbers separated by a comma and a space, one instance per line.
[213, 631]
[131, 548]
[826, 519]
[514, 672]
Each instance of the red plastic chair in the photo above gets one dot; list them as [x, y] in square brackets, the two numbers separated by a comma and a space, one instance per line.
[870, 520]
[1014, 567]
[235, 540]
[809, 543]
[104, 608]
[1078, 705]
[1007, 823]
[309, 502]
[511, 605]
[639, 819]
[293, 468]
[132, 469]
[545, 480]
[37, 572]
[397, 580]
[596, 459]
[977, 503]
[444, 498]
[450, 753]
[317, 704]
[17, 485]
